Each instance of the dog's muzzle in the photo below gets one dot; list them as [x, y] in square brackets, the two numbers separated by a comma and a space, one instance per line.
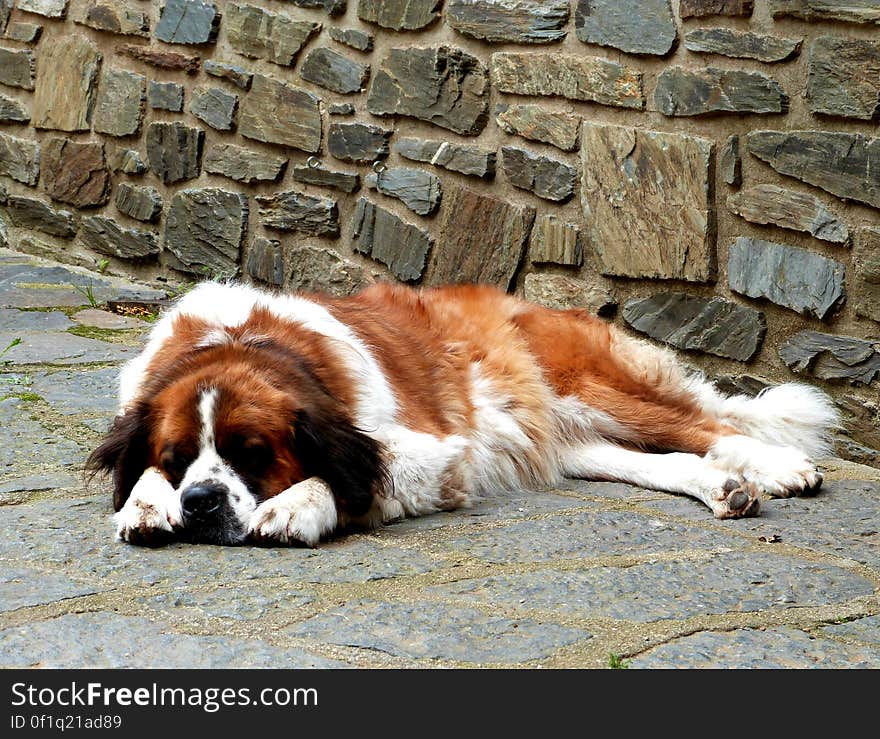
[207, 514]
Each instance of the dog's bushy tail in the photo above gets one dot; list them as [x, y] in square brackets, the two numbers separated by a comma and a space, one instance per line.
[792, 414]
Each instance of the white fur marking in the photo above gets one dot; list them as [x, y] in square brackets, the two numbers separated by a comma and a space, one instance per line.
[153, 504]
[779, 470]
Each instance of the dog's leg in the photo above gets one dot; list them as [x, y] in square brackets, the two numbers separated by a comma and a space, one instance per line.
[303, 513]
[677, 472]
[151, 513]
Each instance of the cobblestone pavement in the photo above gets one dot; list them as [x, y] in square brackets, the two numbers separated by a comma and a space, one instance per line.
[559, 578]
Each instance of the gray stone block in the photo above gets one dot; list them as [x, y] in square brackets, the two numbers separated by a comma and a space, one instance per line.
[278, 113]
[831, 357]
[536, 123]
[789, 209]
[844, 164]
[561, 292]
[801, 280]
[633, 26]
[265, 261]
[417, 189]
[571, 76]
[685, 92]
[140, 203]
[188, 22]
[727, 42]
[260, 34]
[851, 11]
[469, 160]
[865, 274]
[547, 178]
[204, 229]
[400, 15]
[346, 181]
[843, 77]
[315, 269]
[238, 76]
[296, 211]
[32, 213]
[17, 68]
[334, 71]
[730, 161]
[174, 151]
[244, 165]
[27, 33]
[352, 37]
[358, 142]
[106, 236]
[402, 247]
[165, 96]
[703, 8]
[498, 21]
[46, 8]
[103, 15]
[119, 108]
[715, 326]
[19, 159]
[12, 111]
[214, 106]
[441, 85]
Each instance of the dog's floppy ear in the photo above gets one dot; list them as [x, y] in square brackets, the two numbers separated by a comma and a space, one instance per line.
[123, 452]
[350, 462]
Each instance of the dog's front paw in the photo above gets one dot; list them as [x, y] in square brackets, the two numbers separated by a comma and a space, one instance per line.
[149, 517]
[302, 514]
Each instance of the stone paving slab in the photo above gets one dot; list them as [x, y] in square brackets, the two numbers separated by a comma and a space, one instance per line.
[73, 392]
[736, 582]
[58, 347]
[26, 440]
[580, 535]
[843, 520]
[866, 630]
[772, 648]
[63, 533]
[30, 282]
[27, 586]
[436, 631]
[558, 578]
[236, 603]
[114, 641]
[502, 507]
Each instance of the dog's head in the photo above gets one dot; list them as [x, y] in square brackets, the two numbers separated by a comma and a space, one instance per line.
[232, 426]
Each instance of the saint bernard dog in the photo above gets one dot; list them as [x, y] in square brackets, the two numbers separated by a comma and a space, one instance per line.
[272, 418]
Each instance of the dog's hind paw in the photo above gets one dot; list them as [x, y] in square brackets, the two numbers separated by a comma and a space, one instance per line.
[736, 499]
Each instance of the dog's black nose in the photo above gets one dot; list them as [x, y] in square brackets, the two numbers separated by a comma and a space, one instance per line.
[202, 501]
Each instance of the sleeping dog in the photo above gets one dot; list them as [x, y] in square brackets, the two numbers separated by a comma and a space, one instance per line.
[279, 418]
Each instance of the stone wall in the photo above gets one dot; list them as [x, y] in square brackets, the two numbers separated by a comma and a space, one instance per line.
[706, 172]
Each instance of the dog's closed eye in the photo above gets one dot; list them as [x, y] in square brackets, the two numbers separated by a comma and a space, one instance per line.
[174, 463]
[249, 454]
